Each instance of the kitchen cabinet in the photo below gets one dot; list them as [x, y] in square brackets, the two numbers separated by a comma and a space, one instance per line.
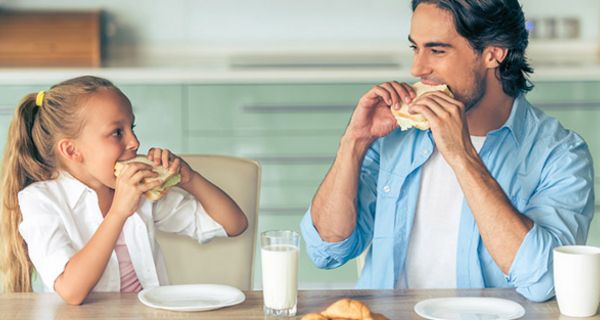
[158, 111]
[293, 130]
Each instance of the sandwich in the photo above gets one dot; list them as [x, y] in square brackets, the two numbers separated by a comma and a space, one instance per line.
[168, 179]
[407, 120]
[346, 309]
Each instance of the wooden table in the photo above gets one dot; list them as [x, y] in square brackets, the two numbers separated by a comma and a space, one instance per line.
[395, 304]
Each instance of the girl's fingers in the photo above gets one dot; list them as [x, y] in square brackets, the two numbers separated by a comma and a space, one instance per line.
[131, 168]
[166, 154]
[147, 175]
[175, 165]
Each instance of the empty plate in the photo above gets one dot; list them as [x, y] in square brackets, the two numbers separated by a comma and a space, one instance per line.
[191, 297]
[469, 308]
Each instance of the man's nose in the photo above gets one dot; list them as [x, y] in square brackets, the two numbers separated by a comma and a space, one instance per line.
[420, 67]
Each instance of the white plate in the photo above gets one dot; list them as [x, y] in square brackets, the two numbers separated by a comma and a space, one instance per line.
[191, 297]
[467, 308]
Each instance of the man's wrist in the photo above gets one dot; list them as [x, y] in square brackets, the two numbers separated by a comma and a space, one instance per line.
[353, 144]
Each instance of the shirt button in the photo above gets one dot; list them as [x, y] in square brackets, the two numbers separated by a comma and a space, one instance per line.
[387, 189]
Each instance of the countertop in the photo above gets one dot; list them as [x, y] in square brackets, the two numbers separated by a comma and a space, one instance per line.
[334, 64]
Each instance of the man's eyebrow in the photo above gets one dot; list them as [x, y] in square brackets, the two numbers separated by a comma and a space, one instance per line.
[432, 44]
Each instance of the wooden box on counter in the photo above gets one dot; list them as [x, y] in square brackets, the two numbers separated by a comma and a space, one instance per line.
[49, 39]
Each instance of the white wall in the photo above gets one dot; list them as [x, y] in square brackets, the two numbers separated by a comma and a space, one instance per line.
[160, 22]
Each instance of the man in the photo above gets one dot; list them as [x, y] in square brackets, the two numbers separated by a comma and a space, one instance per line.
[481, 199]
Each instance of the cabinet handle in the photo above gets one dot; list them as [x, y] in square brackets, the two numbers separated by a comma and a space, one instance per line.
[274, 211]
[294, 159]
[568, 105]
[6, 110]
[297, 109]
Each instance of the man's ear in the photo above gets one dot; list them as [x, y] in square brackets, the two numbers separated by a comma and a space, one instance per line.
[68, 150]
[493, 56]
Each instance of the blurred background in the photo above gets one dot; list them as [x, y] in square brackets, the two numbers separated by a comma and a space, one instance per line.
[271, 80]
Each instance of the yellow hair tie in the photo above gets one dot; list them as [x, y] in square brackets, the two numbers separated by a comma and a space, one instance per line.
[39, 99]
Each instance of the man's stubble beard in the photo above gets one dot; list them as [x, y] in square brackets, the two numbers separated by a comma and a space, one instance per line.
[472, 99]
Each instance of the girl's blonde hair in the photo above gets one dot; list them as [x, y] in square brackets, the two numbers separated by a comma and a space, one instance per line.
[29, 156]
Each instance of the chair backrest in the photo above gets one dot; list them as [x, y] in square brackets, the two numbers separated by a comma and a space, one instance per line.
[222, 260]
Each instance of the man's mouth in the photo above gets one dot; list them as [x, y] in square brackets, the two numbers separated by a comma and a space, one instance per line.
[432, 82]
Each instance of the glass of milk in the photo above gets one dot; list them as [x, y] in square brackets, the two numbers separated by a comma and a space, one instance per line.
[279, 258]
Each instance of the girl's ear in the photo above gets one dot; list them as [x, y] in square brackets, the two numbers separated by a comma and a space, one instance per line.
[68, 151]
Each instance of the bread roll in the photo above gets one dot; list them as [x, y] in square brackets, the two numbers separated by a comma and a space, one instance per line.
[407, 120]
[345, 309]
[348, 309]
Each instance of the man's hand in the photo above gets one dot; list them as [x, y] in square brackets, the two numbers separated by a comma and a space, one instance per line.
[448, 123]
[372, 117]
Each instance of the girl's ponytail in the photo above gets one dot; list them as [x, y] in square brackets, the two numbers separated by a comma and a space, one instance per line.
[21, 166]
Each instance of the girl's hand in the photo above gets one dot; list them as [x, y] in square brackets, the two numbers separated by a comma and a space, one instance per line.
[130, 186]
[172, 162]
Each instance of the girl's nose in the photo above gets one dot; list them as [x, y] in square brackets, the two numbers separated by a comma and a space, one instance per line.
[133, 143]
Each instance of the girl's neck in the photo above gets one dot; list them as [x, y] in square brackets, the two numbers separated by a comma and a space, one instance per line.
[104, 193]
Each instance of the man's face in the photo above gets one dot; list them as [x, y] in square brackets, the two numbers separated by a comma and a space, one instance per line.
[442, 56]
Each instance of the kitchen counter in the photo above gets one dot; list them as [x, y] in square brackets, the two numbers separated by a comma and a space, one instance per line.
[199, 74]
[289, 65]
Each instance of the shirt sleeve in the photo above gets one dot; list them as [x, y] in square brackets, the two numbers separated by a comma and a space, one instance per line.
[328, 255]
[561, 207]
[179, 212]
[48, 243]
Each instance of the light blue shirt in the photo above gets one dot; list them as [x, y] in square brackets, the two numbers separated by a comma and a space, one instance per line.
[545, 170]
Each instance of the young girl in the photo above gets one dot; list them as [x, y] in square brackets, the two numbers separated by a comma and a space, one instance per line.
[65, 213]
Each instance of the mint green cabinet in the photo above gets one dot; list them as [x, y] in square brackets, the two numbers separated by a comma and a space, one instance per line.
[158, 115]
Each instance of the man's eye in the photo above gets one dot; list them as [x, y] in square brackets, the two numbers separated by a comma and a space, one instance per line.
[413, 47]
[434, 51]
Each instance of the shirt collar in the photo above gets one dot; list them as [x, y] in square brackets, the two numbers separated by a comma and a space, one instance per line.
[73, 188]
[516, 122]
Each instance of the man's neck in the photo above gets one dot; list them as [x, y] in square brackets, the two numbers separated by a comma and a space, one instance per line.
[492, 111]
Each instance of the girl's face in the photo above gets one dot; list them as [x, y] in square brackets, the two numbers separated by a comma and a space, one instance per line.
[107, 135]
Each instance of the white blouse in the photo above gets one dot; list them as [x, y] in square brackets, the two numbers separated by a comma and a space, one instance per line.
[61, 215]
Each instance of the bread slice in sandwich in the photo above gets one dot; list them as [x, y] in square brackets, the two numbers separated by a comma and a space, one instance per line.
[168, 179]
[407, 120]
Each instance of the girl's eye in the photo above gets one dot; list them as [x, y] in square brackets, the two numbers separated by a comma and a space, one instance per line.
[133, 127]
[118, 133]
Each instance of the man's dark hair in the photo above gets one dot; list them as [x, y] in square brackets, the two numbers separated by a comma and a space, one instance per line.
[499, 23]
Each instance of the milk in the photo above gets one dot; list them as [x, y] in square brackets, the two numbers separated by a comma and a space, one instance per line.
[280, 276]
